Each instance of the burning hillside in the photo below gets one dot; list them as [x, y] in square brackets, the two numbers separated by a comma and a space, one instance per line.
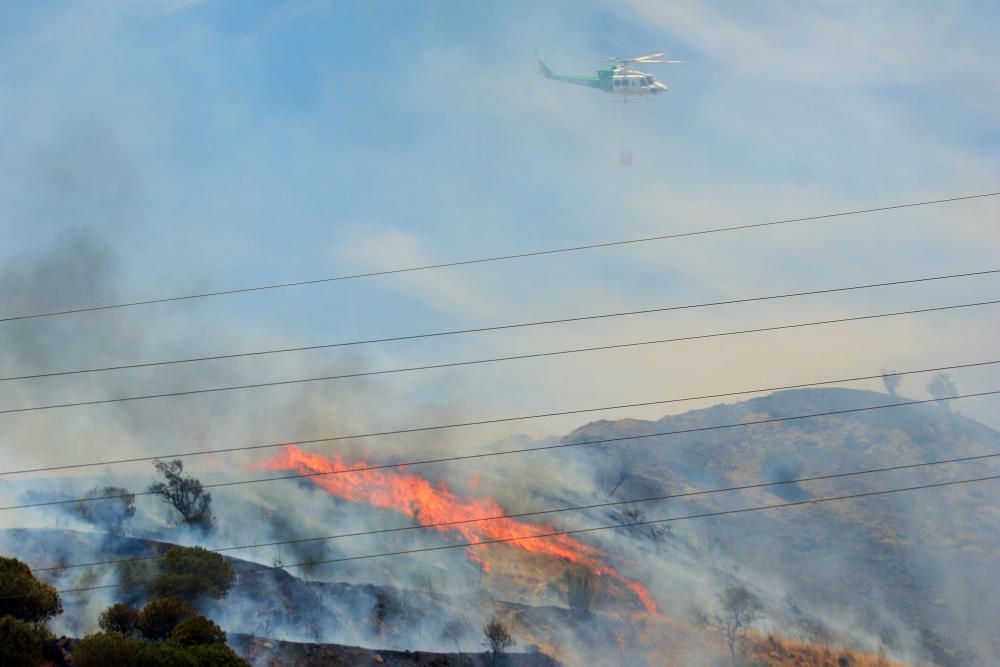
[434, 505]
[858, 574]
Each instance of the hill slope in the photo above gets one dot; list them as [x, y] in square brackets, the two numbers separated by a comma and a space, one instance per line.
[901, 573]
[905, 570]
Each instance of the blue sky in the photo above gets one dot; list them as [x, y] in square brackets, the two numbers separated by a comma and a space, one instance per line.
[220, 144]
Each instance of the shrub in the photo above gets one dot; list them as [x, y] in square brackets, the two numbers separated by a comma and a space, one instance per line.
[135, 579]
[497, 638]
[23, 596]
[215, 655]
[182, 586]
[191, 573]
[187, 573]
[941, 387]
[110, 513]
[196, 631]
[166, 655]
[892, 380]
[21, 643]
[159, 618]
[110, 649]
[740, 610]
[119, 618]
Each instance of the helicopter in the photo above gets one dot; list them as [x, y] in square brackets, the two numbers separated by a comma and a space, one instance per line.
[622, 81]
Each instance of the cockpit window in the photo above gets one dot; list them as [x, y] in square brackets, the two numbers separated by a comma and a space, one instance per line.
[649, 81]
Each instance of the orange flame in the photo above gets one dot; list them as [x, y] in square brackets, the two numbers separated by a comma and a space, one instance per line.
[429, 503]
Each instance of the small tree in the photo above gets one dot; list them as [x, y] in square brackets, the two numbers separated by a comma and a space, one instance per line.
[119, 618]
[186, 573]
[740, 609]
[110, 513]
[941, 387]
[185, 494]
[891, 380]
[25, 603]
[22, 644]
[497, 638]
[159, 618]
[23, 596]
[197, 631]
[193, 573]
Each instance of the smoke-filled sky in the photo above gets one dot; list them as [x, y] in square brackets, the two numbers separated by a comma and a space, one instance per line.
[175, 146]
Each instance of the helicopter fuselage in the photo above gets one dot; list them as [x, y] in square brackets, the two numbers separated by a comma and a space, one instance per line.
[626, 83]
[620, 81]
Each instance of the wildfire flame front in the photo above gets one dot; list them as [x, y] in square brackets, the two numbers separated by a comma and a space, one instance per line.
[436, 506]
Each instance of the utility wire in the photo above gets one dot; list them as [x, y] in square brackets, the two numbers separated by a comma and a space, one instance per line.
[639, 523]
[501, 327]
[497, 258]
[462, 545]
[520, 515]
[498, 420]
[524, 450]
[455, 364]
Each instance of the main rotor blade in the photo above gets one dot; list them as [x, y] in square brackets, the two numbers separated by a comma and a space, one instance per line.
[641, 59]
[662, 61]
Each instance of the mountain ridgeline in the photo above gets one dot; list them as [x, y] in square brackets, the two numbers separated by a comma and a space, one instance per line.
[901, 571]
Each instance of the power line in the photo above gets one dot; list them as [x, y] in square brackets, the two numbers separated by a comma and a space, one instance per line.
[501, 327]
[498, 420]
[521, 515]
[577, 531]
[497, 258]
[641, 523]
[474, 362]
[524, 450]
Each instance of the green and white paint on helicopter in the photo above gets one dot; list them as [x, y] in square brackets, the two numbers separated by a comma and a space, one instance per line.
[622, 80]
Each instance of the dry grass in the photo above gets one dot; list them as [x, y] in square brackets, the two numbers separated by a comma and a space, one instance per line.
[780, 652]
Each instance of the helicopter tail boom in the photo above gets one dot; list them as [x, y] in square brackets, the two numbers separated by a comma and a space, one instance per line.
[545, 70]
[588, 81]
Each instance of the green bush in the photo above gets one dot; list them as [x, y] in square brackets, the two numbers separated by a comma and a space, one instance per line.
[21, 644]
[184, 586]
[216, 655]
[135, 578]
[191, 573]
[119, 618]
[110, 649]
[196, 631]
[23, 596]
[188, 573]
[159, 618]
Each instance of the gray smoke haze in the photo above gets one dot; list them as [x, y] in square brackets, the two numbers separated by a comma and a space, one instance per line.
[85, 201]
[432, 601]
[86, 194]
[84, 198]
